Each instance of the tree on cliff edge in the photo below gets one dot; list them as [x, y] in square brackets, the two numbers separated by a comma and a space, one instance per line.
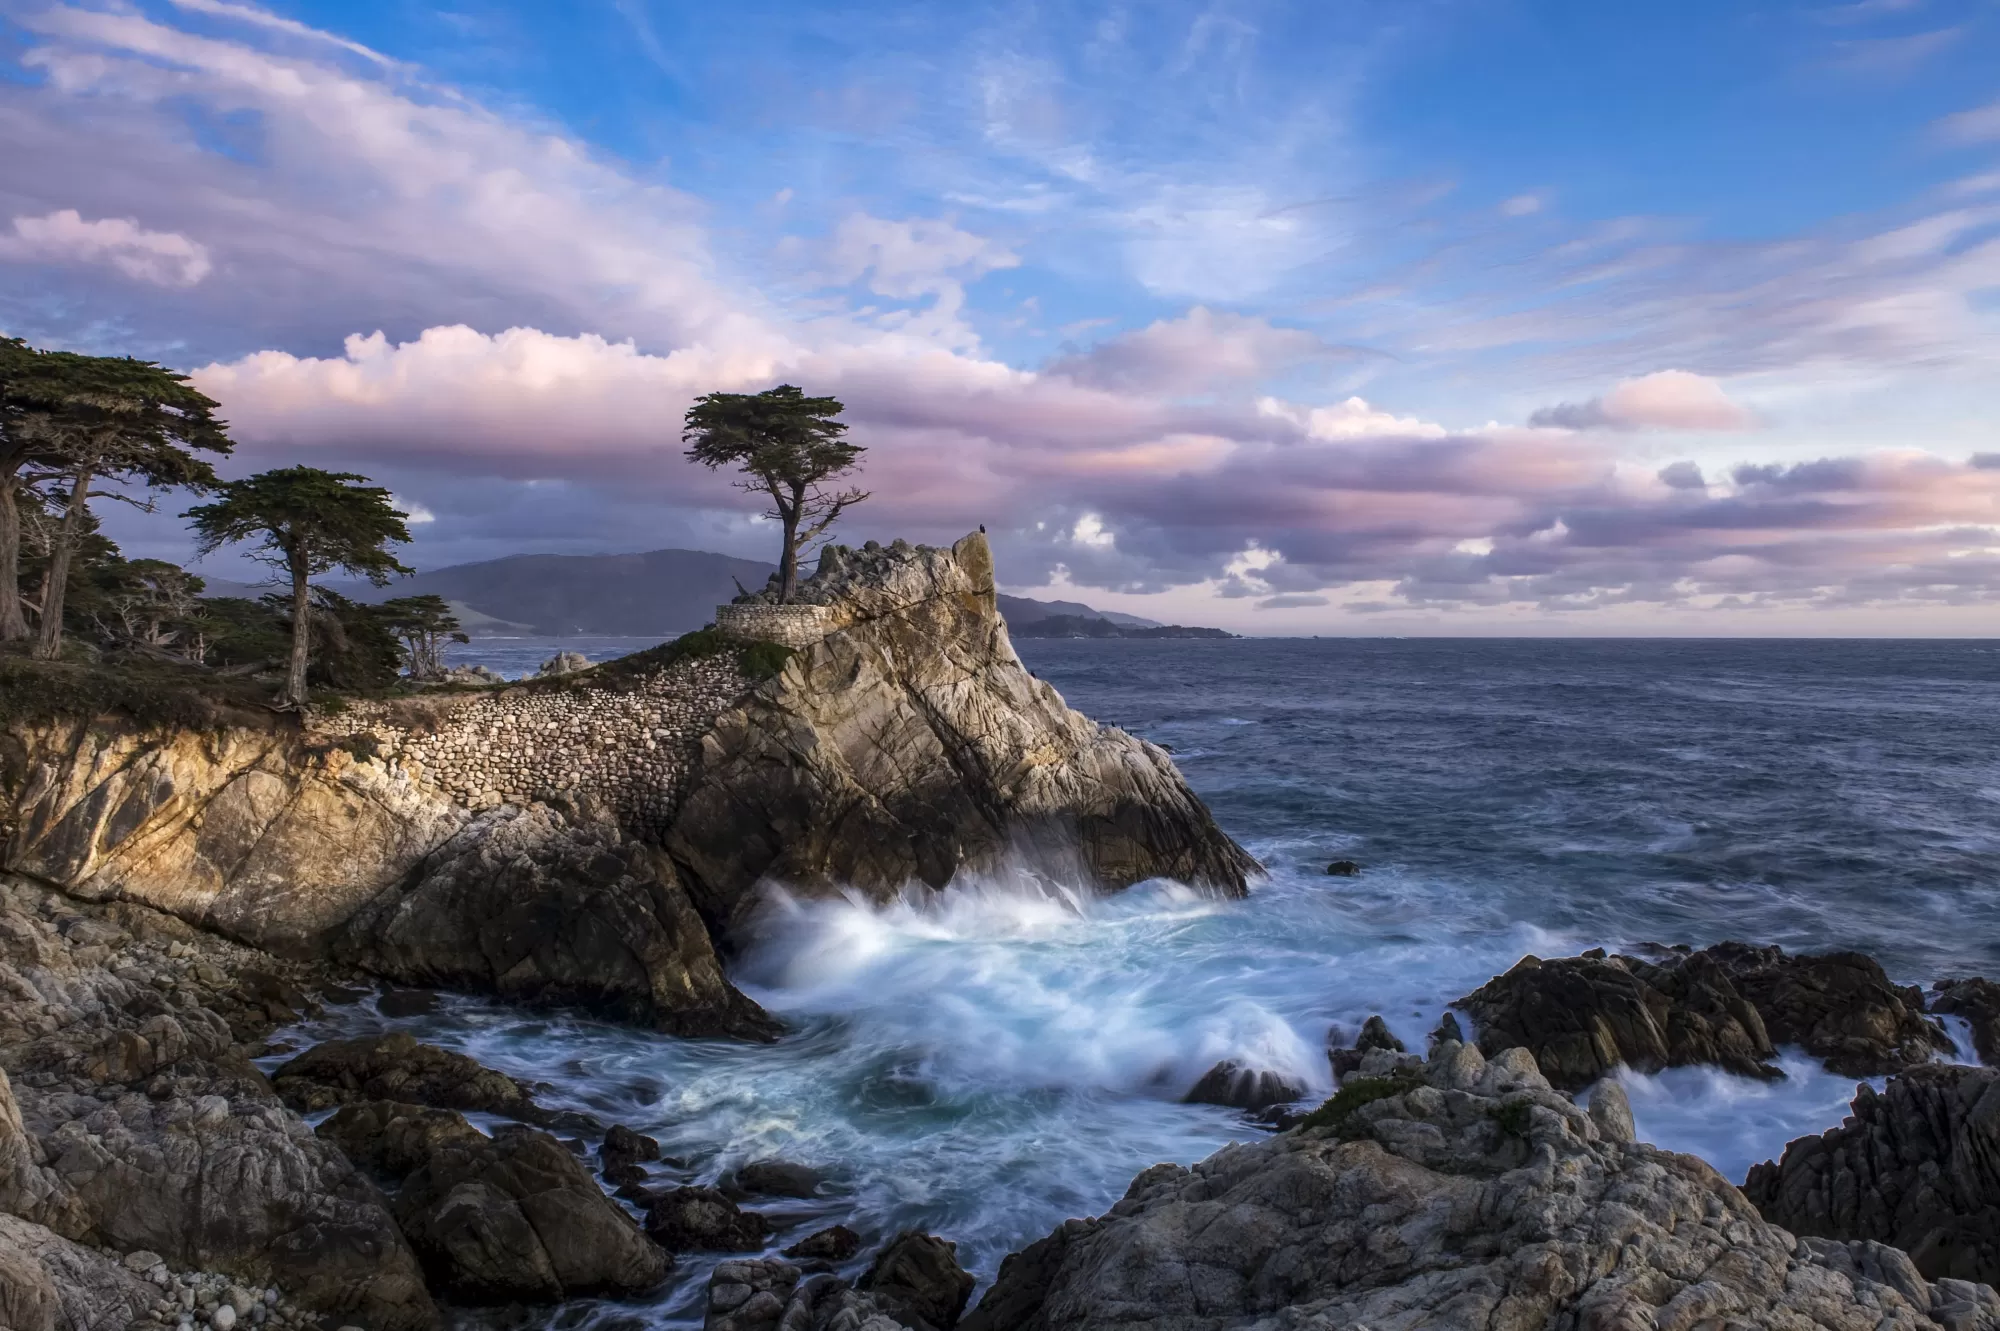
[790, 446]
[306, 521]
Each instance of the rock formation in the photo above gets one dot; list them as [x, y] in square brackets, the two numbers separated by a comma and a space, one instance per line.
[1917, 1166]
[914, 1284]
[1458, 1193]
[1978, 1001]
[1727, 1006]
[909, 745]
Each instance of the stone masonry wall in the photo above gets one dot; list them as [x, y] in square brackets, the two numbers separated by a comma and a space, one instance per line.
[793, 625]
[625, 753]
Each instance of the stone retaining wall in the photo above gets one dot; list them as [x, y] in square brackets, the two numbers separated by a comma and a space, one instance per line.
[629, 754]
[794, 626]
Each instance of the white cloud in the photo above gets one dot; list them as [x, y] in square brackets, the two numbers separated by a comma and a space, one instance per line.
[165, 258]
[1666, 400]
[1978, 125]
[1200, 350]
[911, 258]
[1521, 205]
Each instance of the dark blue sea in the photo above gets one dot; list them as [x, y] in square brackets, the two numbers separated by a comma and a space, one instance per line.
[1010, 1055]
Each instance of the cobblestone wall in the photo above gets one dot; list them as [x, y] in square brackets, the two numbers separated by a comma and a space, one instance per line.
[627, 753]
[793, 625]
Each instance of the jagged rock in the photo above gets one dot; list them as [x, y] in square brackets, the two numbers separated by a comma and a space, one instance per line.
[1465, 1195]
[1838, 1005]
[1343, 869]
[1917, 1166]
[48, 1283]
[836, 1243]
[528, 905]
[778, 1178]
[1727, 1006]
[1239, 1087]
[563, 663]
[623, 1154]
[393, 1140]
[756, 1296]
[703, 1220]
[396, 1066]
[1978, 1001]
[516, 1218]
[1447, 1029]
[917, 1280]
[910, 745]
[1375, 1034]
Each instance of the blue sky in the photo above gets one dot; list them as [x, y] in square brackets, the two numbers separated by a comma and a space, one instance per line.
[1480, 316]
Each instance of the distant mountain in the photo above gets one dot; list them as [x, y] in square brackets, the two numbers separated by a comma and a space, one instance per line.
[655, 595]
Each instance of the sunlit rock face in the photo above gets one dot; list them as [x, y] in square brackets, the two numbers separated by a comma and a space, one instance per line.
[910, 745]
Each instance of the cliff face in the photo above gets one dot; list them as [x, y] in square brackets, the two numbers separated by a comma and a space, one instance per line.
[910, 745]
[577, 843]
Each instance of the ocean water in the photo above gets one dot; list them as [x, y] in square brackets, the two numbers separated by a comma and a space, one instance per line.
[1010, 1054]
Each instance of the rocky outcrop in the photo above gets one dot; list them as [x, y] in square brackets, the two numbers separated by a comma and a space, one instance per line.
[397, 1067]
[703, 1220]
[1917, 1166]
[914, 1284]
[1727, 1006]
[1458, 1193]
[910, 745]
[1238, 1086]
[1978, 1002]
[132, 1117]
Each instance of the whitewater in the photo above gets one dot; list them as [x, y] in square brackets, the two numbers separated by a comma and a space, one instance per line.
[991, 1060]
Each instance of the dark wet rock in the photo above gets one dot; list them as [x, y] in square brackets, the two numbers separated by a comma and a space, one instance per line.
[758, 1295]
[917, 1280]
[1375, 1034]
[1584, 1016]
[704, 1220]
[1917, 1166]
[397, 1067]
[1239, 1087]
[1447, 1029]
[1978, 1001]
[622, 1155]
[524, 903]
[836, 1243]
[778, 1178]
[517, 1218]
[406, 1003]
[1839, 1006]
[392, 1140]
[1343, 869]
[1465, 1195]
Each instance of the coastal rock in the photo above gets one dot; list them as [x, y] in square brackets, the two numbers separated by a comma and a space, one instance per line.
[917, 1281]
[1375, 1034]
[1978, 1001]
[396, 1066]
[703, 1220]
[1467, 1194]
[48, 1283]
[1727, 1006]
[517, 1218]
[836, 1243]
[910, 745]
[1238, 1086]
[1917, 1166]
[526, 904]
[391, 1140]
[777, 1178]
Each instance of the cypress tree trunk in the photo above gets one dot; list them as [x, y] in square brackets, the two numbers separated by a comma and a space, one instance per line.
[48, 638]
[788, 564]
[13, 623]
[295, 680]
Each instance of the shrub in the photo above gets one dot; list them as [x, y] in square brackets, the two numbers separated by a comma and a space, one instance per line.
[1357, 1092]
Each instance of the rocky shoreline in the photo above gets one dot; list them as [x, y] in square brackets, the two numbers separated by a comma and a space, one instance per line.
[178, 898]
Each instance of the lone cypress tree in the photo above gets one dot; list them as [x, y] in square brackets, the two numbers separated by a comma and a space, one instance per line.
[790, 446]
[307, 522]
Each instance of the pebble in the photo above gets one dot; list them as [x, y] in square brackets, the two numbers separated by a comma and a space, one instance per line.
[223, 1318]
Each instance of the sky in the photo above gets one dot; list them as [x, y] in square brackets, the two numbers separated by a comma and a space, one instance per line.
[1338, 316]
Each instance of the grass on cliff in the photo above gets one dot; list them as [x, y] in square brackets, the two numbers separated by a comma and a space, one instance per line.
[1354, 1093]
[149, 692]
[758, 661]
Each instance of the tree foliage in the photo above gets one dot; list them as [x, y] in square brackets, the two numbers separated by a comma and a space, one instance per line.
[423, 624]
[791, 447]
[307, 522]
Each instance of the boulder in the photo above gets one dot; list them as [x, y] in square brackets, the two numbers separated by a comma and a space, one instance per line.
[917, 1281]
[1343, 869]
[48, 1283]
[1728, 1006]
[1239, 1086]
[1978, 1001]
[563, 663]
[703, 1220]
[392, 1140]
[517, 1218]
[1375, 1034]
[836, 1243]
[910, 745]
[1917, 1166]
[524, 903]
[396, 1066]
[1463, 1195]
[777, 1178]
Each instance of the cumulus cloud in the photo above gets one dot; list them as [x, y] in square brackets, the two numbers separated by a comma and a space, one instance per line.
[913, 257]
[1667, 400]
[164, 258]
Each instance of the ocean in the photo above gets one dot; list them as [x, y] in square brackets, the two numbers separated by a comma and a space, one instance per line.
[1012, 1054]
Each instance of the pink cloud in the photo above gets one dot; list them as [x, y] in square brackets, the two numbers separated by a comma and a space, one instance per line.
[1666, 400]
